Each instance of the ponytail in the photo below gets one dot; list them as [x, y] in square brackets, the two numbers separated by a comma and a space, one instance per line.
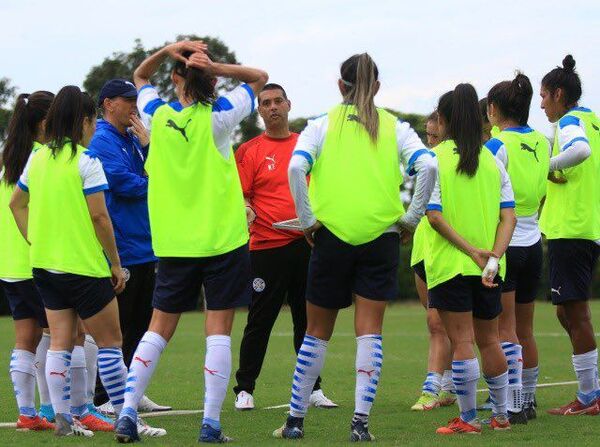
[565, 78]
[30, 110]
[513, 98]
[460, 111]
[199, 86]
[360, 74]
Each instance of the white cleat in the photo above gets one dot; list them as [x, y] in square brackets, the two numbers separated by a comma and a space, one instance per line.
[147, 406]
[106, 409]
[244, 401]
[319, 400]
[150, 432]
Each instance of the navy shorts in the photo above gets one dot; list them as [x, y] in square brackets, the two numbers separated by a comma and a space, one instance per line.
[337, 270]
[25, 302]
[86, 294]
[523, 272]
[572, 263]
[226, 280]
[467, 294]
[419, 269]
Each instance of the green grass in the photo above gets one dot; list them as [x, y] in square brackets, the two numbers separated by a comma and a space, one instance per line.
[178, 382]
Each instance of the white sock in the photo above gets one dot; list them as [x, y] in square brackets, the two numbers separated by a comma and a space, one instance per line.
[58, 367]
[586, 369]
[91, 363]
[498, 387]
[432, 383]
[113, 374]
[22, 374]
[530, 378]
[369, 359]
[141, 369]
[465, 374]
[78, 383]
[217, 369]
[447, 384]
[309, 363]
[40, 365]
[514, 358]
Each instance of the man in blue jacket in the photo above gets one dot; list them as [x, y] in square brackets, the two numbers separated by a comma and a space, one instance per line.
[121, 143]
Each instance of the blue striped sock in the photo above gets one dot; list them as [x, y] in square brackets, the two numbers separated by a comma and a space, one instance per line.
[369, 359]
[309, 363]
[465, 374]
[113, 374]
[498, 387]
[432, 383]
[514, 359]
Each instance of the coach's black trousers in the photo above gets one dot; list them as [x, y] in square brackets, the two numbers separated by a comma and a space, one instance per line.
[135, 311]
[278, 274]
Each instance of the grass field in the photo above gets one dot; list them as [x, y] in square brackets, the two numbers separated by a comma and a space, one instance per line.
[178, 382]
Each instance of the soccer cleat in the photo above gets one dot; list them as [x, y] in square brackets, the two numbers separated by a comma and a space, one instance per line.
[146, 405]
[576, 408]
[46, 412]
[457, 426]
[34, 423]
[126, 430]
[212, 435]
[151, 432]
[94, 423]
[244, 401]
[317, 399]
[530, 411]
[64, 428]
[427, 401]
[500, 422]
[292, 429]
[486, 406]
[446, 398]
[94, 411]
[519, 417]
[359, 432]
[106, 409]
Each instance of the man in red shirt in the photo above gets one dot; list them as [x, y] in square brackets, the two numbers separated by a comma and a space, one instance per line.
[279, 257]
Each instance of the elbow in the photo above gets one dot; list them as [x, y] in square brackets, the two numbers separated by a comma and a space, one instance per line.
[435, 219]
[262, 79]
[99, 219]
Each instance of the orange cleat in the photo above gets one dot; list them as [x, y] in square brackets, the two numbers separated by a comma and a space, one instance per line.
[499, 422]
[94, 423]
[35, 423]
[457, 426]
[576, 408]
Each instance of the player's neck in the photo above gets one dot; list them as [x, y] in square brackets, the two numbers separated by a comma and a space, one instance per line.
[278, 132]
[508, 124]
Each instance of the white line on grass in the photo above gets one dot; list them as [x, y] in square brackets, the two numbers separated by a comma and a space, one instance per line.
[418, 334]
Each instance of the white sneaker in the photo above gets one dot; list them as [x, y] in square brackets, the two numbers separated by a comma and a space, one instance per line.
[151, 432]
[106, 409]
[147, 406]
[318, 399]
[244, 401]
[78, 429]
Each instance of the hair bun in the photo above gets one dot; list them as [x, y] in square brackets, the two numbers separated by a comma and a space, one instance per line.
[568, 63]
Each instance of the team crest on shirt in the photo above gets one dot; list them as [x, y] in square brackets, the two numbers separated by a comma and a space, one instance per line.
[258, 284]
[270, 163]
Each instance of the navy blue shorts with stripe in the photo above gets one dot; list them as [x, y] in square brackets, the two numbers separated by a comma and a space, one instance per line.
[25, 301]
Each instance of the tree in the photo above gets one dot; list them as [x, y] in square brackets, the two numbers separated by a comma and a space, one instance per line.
[7, 92]
[122, 65]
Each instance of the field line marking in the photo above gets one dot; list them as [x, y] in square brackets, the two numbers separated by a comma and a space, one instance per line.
[155, 414]
[544, 385]
[275, 407]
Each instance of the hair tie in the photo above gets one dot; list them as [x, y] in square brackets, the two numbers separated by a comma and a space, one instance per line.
[26, 99]
[346, 83]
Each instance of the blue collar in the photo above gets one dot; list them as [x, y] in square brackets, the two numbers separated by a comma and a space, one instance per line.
[519, 129]
[579, 109]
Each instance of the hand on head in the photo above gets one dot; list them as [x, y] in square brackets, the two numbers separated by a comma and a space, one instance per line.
[176, 50]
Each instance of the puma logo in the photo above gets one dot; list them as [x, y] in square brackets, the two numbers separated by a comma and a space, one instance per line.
[146, 363]
[271, 165]
[557, 291]
[364, 371]
[215, 372]
[62, 374]
[596, 128]
[171, 124]
[353, 117]
[525, 147]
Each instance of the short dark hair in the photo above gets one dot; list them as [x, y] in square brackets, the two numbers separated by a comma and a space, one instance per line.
[272, 86]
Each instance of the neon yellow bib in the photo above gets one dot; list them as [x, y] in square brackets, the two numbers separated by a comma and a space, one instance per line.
[528, 162]
[471, 205]
[195, 199]
[60, 228]
[355, 185]
[572, 209]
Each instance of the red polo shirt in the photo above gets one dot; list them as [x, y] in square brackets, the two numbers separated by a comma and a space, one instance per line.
[263, 165]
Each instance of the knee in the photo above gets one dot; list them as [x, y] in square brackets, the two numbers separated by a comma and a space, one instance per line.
[435, 326]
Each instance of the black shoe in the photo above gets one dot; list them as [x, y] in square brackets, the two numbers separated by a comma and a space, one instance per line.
[530, 412]
[359, 432]
[517, 418]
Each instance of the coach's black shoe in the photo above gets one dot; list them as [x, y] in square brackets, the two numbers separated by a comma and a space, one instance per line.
[517, 418]
[530, 412]
[359, 431]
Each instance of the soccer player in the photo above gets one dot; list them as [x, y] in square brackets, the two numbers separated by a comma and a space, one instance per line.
[526, 155]
[121, 143]
[352, 215]
[197, 218]
[279, 258]
[437, 389]
[472, 212]
[25, 133]
[571, 222]
[59, 208]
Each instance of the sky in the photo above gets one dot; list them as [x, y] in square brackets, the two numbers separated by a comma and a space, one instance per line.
[422, 48]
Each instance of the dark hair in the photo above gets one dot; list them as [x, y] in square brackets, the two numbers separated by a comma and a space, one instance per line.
[433, 116]
[199, 85]
[513, 98]
[30, 110]
[483, 103]
[65, 118]
[565, 78]
[460, 110]
[272, 86]
[359, 74]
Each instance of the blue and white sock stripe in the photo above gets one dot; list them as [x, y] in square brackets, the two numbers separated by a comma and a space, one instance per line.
[429, 385]
[113, 373]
